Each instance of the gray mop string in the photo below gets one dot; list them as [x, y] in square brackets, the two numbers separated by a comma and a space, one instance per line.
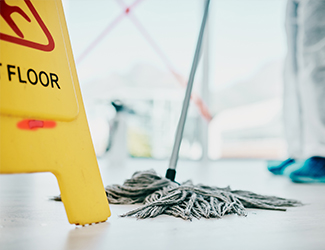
[171, 171]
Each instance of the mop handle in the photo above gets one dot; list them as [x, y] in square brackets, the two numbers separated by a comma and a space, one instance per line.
[171, 171]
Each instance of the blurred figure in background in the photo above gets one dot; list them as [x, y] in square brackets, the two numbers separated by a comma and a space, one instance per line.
[304, 93]
[117, 146]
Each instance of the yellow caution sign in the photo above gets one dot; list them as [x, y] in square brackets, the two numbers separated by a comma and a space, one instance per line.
[43, 126]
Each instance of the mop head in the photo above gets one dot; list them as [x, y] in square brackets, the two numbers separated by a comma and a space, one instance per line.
[187, 201]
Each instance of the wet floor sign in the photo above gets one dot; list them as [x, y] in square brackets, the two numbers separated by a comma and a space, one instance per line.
[43, 126]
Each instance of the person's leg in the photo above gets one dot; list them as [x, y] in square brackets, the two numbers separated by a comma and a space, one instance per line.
[292, 111]
[311, 63]
[291, 96]
[311, 75]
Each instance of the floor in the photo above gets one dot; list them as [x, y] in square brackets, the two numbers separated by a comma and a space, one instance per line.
[30, 220]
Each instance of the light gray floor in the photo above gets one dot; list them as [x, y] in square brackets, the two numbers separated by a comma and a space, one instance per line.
[29, 220]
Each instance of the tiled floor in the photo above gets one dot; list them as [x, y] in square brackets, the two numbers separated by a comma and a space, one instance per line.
[29, 220]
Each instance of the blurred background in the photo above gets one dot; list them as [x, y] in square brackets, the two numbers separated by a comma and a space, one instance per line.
[133, 59]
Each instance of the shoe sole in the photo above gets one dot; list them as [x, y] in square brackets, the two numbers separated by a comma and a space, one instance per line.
[304, 179]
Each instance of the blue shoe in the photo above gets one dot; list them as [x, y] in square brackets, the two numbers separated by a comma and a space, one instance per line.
[293, 167]
[278, 167]
[312, 171]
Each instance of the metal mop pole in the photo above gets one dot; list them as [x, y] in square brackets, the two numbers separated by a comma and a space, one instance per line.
[171, 171]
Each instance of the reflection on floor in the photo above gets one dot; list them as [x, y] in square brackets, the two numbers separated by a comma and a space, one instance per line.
[29, 220]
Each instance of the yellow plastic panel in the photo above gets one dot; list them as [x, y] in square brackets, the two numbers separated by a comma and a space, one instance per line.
[36, 78]
[37, 134]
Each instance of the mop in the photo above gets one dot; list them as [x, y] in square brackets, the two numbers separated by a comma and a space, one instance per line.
[162, 195]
